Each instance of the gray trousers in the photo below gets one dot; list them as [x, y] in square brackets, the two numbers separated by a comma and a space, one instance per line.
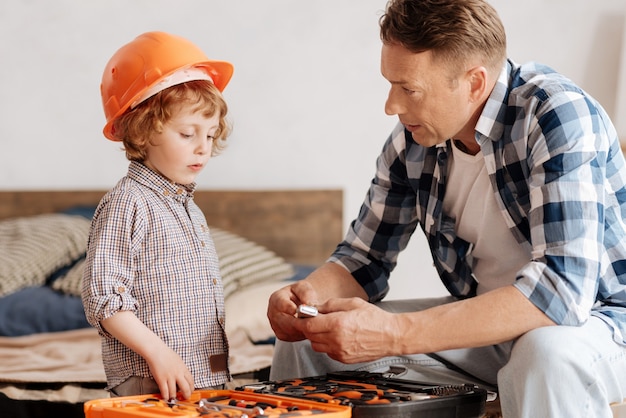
[558, 371]
[138, 385]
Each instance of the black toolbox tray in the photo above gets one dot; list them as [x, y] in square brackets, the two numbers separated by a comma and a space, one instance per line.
[375, 395]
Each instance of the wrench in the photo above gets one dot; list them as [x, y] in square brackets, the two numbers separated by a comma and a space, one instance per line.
[256, 411]
[204, 406]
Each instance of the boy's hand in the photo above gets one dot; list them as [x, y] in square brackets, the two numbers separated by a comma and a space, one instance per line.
[170, 373]
[168, 369]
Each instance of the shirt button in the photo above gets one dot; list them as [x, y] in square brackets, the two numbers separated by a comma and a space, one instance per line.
[221, 321]
[166, 192]
[179, 191]
[214, 281]
[121, 289]
[202, 243]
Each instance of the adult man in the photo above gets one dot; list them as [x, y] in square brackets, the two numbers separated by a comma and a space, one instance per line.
[517, 179]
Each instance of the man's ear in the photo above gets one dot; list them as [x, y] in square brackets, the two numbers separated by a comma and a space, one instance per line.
[477, 78]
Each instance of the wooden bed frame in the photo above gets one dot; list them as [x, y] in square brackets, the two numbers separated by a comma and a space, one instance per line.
[302, 226]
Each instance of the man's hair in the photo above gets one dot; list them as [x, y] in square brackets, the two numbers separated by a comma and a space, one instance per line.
[137, 126]
[453, 30]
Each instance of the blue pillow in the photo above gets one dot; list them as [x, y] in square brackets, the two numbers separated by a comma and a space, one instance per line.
[40, 309]
[301, 271]
[85, 211]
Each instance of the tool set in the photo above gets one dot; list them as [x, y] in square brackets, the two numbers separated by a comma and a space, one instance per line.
[335, 395]
[375, 395]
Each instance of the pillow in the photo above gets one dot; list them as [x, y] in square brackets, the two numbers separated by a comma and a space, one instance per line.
[33, 248]
[40, 309]
[252, 317]
[242, 263]
[70, 280]
[85, 211]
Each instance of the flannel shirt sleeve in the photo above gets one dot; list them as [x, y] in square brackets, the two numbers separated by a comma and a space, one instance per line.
[385, 222]
[108, 276]
[568, 152]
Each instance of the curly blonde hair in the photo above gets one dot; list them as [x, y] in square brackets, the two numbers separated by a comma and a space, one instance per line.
[135, 127]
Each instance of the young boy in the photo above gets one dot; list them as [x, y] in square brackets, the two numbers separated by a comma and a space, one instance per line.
[152, 285]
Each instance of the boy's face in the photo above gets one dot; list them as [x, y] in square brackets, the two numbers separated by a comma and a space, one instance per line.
[184, 146]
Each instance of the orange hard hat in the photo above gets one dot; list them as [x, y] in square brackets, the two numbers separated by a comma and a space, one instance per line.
[150, 63]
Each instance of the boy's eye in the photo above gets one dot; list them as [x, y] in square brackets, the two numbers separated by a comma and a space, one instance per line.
[185, 135]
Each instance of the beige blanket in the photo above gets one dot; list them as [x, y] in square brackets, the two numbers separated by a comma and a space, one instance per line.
[68, 356]
[75, 356]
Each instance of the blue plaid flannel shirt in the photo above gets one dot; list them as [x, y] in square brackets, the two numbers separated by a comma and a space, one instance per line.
[559, 176]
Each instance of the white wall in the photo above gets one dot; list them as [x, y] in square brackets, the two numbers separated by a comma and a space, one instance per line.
[306, 98]
[619, 114]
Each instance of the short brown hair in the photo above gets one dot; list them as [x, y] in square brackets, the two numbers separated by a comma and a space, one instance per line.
[453, 30]
[137, 125]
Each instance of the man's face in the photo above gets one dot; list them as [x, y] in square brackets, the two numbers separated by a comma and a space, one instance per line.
[431, 102]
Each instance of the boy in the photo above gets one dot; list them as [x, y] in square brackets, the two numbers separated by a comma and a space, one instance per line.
[152, 285]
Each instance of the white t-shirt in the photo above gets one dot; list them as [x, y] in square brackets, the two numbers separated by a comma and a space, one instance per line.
[470, 200]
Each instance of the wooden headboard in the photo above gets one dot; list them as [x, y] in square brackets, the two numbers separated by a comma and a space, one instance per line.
[302, 226]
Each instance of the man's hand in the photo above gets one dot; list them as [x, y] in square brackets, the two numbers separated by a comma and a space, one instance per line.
[282, 308]
[328, 281]
[351, 330]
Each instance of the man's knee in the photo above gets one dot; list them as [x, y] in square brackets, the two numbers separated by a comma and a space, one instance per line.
[542, 351]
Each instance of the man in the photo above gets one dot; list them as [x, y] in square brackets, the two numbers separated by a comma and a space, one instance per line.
[517, 179]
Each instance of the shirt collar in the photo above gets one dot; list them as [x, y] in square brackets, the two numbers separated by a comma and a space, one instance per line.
[155, 181]
[491, 122]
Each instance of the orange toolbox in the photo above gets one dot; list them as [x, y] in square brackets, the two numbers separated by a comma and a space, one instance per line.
[213, 404]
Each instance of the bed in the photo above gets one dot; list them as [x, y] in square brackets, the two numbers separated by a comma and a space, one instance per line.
[50, 361]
